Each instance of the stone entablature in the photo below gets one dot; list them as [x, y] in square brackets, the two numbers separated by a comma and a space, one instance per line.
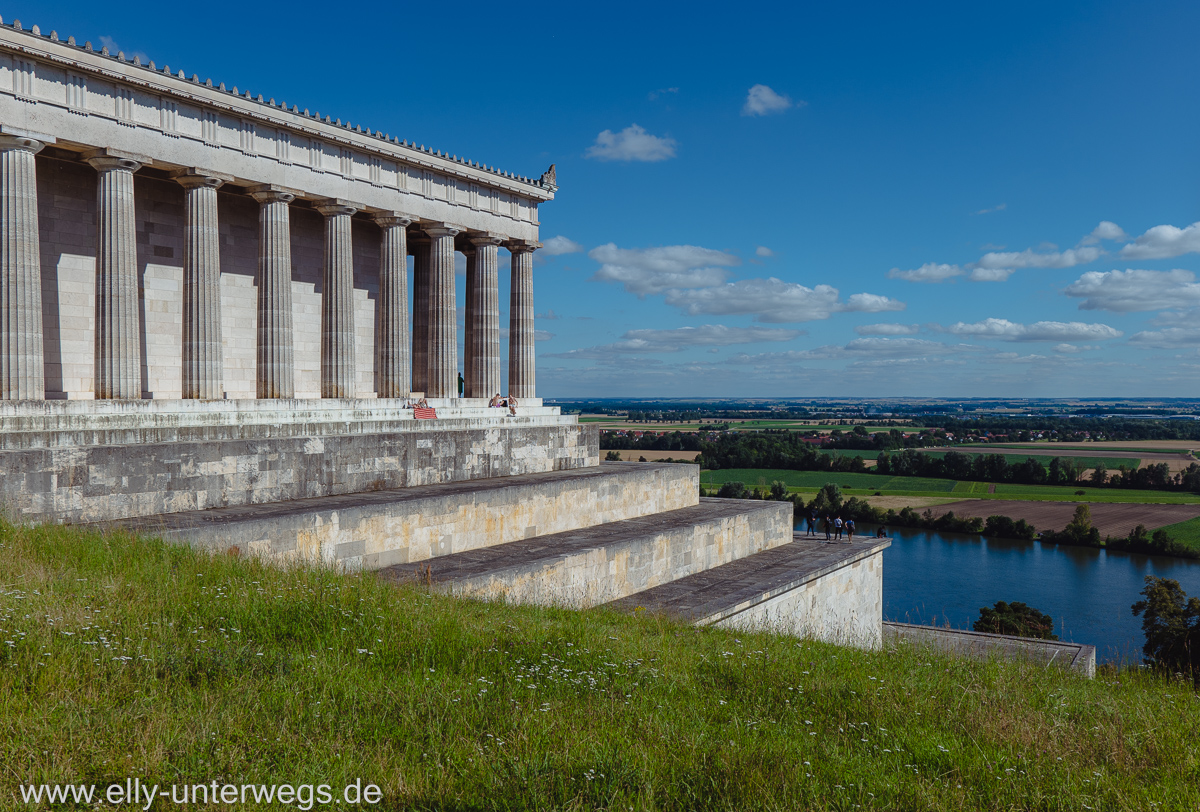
[91, 99]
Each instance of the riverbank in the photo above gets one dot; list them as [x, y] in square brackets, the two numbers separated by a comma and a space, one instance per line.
[133, 658]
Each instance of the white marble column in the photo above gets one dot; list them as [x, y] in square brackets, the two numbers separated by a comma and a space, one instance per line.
[276, 361]
[468, 360]
[22, 375]
[392, 365]
[203, 368]
[118, 374]
[338, 378]
[443, 327]
[484, 314]
[420, 246]
[520, 322]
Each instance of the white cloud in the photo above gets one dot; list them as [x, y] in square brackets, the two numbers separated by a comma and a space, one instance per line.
[631, 144]
[556, 246]
[887, 329]
[859, 348]
[775, 301]
[763, 251]
[929, 272]
[871, 303]
[990, 274]
[662, 91]
[763, 101]
[549, 315]
[653, 270]
[1162, 242]
[1169, 338]
[681, 338]
[1033, 259]
[1107, 230]
[1038, 331]
[997, 207]
[1134, 290]
[1067, 349]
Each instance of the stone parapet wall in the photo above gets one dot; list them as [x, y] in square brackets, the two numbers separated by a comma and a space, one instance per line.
[841, 604]
[98, 483]
[980, 645]
[386, 528]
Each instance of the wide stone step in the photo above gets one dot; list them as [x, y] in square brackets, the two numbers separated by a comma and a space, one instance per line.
[583, 568]
[69, 424]
[829, 591]
[404, 525]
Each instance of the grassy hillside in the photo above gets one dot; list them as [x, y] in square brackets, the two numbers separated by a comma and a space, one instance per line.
[123, 658]
[866, 484]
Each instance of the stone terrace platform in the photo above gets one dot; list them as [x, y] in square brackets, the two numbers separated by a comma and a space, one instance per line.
[585, 567]
[827, 590]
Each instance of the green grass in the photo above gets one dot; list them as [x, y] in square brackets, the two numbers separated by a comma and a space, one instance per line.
[134, 658]
[1187, 532]
[866, 484]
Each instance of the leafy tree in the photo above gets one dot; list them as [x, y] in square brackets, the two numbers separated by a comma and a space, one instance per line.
[733, 490]
[1171, 623]
[1099, 474]
[1016, 619]
[778, 491]
[612, 456]
[829, 499]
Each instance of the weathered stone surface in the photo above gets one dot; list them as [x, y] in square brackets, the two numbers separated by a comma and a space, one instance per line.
[96, 483]
[521, 376]
[417, 523]
[203, 375]
[118, 320]
[1074, 656]
[831, 592]
[582, 568]
[21, 348]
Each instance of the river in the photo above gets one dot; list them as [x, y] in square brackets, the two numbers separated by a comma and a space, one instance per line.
[932, 578]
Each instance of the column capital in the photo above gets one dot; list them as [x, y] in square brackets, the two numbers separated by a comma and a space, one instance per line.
[106, 158]
[21, 143]
[193, 177]
[332, 206]
[522, 246]
[486, 238]
[271, 193]
[21, 132]
[441, 229]
[391, 218]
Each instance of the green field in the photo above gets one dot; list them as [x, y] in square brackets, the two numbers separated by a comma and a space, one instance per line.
[867, 484]
[1187, 532]
[1111, 463]
[129, 658]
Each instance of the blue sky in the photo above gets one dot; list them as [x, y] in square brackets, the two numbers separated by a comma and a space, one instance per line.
[786, 200]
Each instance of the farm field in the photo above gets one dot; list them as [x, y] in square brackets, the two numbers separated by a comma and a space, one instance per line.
[866, 484]
[654, 456]
[1111, 463]
[1111, 519]
[610, 422]
[1138, 446]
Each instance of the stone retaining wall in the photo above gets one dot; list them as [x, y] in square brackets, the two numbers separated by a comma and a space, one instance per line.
[1074, 656]
[99, 483]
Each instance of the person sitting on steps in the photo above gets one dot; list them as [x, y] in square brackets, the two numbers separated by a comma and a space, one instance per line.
[512, 406]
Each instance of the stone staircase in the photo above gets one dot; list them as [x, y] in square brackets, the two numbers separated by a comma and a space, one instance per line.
[633, 536]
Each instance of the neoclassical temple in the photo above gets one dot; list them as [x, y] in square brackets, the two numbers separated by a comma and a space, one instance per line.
[168, 237]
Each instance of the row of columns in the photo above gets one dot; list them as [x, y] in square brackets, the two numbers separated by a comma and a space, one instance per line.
[432, 366]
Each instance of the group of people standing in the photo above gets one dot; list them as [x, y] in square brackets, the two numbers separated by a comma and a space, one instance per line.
[834, 527]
